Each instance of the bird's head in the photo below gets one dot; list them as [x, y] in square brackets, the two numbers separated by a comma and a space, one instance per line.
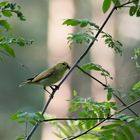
[63, 66]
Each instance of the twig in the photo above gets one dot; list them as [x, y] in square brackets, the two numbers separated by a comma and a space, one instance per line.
[85, 132]
[43, 111]
[104, 85]
[123, 5]
[123, 103]
[72, 68]
[89, 47]
[76, 119]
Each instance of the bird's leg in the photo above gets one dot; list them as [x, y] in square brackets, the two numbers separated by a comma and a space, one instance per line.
[54, 87]
[46, 90]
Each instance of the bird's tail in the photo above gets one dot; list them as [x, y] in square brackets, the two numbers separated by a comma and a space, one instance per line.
[24, 83]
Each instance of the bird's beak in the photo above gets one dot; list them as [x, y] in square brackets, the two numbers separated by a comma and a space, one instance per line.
[68, 66]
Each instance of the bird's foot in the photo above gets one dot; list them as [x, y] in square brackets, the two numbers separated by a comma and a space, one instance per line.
[54, 87]
[46, 90]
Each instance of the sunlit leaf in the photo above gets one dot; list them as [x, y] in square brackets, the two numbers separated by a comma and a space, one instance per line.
[106, 5]
[5, 24]
[136, 86]
[80, 22]
[8, 50]
[4, 3]
[96, 67]
[114, 44]
[79, 38]
[7, 13]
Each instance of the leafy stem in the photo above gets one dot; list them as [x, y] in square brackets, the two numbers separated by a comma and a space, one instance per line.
[85, 132]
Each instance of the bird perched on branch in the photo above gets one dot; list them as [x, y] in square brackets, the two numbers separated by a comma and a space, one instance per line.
[48, 77]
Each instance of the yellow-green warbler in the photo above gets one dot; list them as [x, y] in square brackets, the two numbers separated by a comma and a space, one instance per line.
[48, 77]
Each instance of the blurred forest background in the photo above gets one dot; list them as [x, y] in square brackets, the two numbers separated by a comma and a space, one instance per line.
[44, 26]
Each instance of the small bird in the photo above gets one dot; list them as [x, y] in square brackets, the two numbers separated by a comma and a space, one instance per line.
[48, 77]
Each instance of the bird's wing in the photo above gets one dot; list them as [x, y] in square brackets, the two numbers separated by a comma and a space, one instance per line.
[43, 75]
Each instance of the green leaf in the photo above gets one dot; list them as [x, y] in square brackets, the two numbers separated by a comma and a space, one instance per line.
[20, 138]
[106, 5]
[135, 124]
[110, 126]
[81, 22]
[135, 2]
[72, 22]
[133, 10]
[26, 117]
[138, 12]
[124, 117]
[128, 132]
[5, 24]
[114, 44]
[116, 2]
[109, 95]
[9, 50]
[4, 3]
[96, 67]
[7, 13]
[19, 15]
[136, 86]
[79, 38]
[135, 91]
[136, 57]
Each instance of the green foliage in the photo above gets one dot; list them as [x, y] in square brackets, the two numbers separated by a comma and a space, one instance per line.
[4, 24]
[7, 9]
[6, 44]
[86, 35]
[71, 128]
[135, 9]
[107, 4]
[135, 91]
[79, 38]
[136, 2]
[26, 117]
[118, 126]
[116, 131]
[136, 57]
[121, 129]
[116, 2]
[110, 92]
[81, 22]
[96, 67]
[20, 138]
[84, 108]
[114, 44]
[88, 108]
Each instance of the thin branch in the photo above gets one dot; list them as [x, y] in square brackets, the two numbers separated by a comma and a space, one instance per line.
[76, 119]
[72, 68]
[89, 47]
[104, 85]
[123, 103]
[85, 132]
[125, 4]
[70, 71]
[43, 111]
